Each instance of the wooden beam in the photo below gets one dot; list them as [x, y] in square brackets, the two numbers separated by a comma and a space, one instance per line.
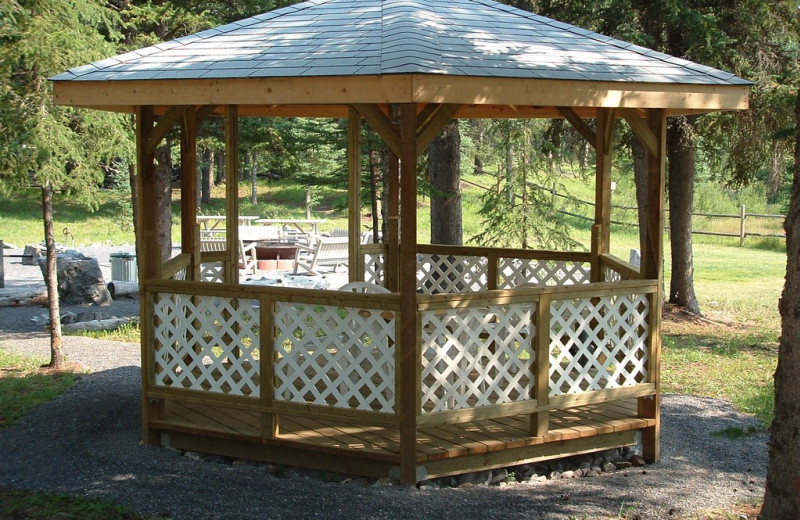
[380, 123]
[640, 127]
[432, 125]
[578, 124]
[164, 125]
[356, 261]
[232, 193]
[188, 179]
[204, 112]
[409, 382]
[401, 88]
[652, 263]
[601, 230]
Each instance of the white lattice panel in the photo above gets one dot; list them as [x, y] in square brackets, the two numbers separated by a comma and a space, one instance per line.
[374, 268]
[476, 356]
[212, 272]
[451, 274]
[206, 343]
[610, 275]
[335, 356]
[514, 272]
[598, 343]
[179, 275]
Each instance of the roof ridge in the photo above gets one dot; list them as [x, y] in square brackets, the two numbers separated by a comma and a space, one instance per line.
[405, 42]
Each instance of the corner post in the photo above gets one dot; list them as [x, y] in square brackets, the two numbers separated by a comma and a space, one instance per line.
[189, 184]
[356, 261]
[148, 259]
[407, 274]
[231, 268]
[652, 269]
[601, 230]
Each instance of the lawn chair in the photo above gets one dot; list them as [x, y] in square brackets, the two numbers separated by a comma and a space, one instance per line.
[247, 252]
[326, 251]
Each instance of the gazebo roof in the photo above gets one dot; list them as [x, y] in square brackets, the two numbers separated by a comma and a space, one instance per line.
[474, 52]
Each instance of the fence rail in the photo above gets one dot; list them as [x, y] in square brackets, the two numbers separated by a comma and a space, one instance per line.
[755, 229]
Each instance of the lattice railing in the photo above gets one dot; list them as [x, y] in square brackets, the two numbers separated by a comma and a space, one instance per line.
[476, 356]
[598, 343]
[206, 343]
[513, 272]
[374, 267]
[336, 356]
[212, 272]
[451, 273]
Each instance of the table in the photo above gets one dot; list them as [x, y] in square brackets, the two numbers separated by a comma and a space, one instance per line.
[297, 223]
[209, 222]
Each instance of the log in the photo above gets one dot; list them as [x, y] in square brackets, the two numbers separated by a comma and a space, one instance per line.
[120, 289]
[109, 324]
[19, 297]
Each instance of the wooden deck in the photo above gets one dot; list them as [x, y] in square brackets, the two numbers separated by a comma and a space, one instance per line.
[373, 450]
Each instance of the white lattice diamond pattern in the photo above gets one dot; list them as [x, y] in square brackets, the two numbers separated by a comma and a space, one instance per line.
[476, 356]
[374, 268]
[451, 274]
[335, 356]
[212, 272]
[598, 345]
[610, 275]
[206, 343]
[515, 272]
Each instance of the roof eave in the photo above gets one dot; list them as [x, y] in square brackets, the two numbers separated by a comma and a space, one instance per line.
[677, 98]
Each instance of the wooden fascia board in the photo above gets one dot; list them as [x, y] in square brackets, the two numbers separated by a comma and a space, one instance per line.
[404, 88]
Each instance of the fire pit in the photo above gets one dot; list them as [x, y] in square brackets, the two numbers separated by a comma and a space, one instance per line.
[273, 256]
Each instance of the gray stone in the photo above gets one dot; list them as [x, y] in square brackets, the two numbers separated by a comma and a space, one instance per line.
[383, 482]
[80, 279]
[608, 467]
[592, 473]
[478, 477]
[568, 474]
[623, 464]
[637, 461]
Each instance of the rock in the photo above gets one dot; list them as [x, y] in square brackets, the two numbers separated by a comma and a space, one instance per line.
[597, 469]
[193, 456]
[32, 254]
[499, 476]
[428, 485]
[592, 473]
[554, 475]
[466, 485]
[623, 464]
[637, 461]
[80, 279]
[383, 482]
[479, 477]
[609, 467]
[568, 474]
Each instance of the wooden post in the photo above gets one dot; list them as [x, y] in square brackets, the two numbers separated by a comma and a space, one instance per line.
[392, 226]
[189, 184]
[601, 230]
[231, 269]
[146, 256]
[409, 347]
[742, 233]
[356, 260]
[652, 269]
[2, 266]
[540, 421]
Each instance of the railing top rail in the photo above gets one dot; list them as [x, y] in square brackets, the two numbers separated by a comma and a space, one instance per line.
[539, 254]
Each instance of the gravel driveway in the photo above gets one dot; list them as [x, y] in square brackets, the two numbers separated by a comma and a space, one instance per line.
[87, 443]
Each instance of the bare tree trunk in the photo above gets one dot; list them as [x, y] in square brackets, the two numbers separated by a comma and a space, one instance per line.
[308, 202]
[163, 203]
[681, 151]
[254, 177]
[56, 351]
[639, 152]
[220, 177]
[206, 175]
[782, 496]
[374, 190]
[444, 170]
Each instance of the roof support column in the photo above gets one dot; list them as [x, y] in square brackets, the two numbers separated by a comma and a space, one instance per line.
[601, 230]
[189, 228]
[652, 269]
[408, 353]
[148, 257]
[356, 261]
[392, 224]
[231, 269]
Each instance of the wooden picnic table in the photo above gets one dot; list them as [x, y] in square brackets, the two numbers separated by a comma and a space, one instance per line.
[297, 223]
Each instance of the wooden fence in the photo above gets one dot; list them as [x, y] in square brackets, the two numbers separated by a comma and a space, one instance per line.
[741, 225]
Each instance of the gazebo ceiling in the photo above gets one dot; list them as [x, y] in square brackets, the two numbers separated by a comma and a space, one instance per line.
[316, 57]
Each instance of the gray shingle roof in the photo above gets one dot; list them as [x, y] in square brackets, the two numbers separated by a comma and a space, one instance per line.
[377, 37]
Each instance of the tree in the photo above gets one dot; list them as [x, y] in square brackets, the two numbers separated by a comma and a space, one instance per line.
[444, 172]
[60, 149]
[782, 495]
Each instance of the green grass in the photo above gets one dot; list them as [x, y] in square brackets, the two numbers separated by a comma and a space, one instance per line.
[128, 332]
[25, 384]
[20, 505]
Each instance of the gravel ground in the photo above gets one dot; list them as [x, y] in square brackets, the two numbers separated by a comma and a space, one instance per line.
[87, 443]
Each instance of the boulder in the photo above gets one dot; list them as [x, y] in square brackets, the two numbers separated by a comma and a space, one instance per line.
[80, 279]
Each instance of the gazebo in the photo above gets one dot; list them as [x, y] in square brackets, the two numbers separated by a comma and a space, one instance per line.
[474, 358]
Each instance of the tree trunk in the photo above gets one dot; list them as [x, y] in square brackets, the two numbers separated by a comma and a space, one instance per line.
[639, 152]
[308, 202]
[206, 175]
[444, 170]
[163, 203]
[374, 190]
[681, 151]
[56, 351]
[220, 177]
[782, 496]
[254, 177]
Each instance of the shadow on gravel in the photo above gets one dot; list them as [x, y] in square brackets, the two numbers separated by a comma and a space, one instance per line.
[87, 443]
